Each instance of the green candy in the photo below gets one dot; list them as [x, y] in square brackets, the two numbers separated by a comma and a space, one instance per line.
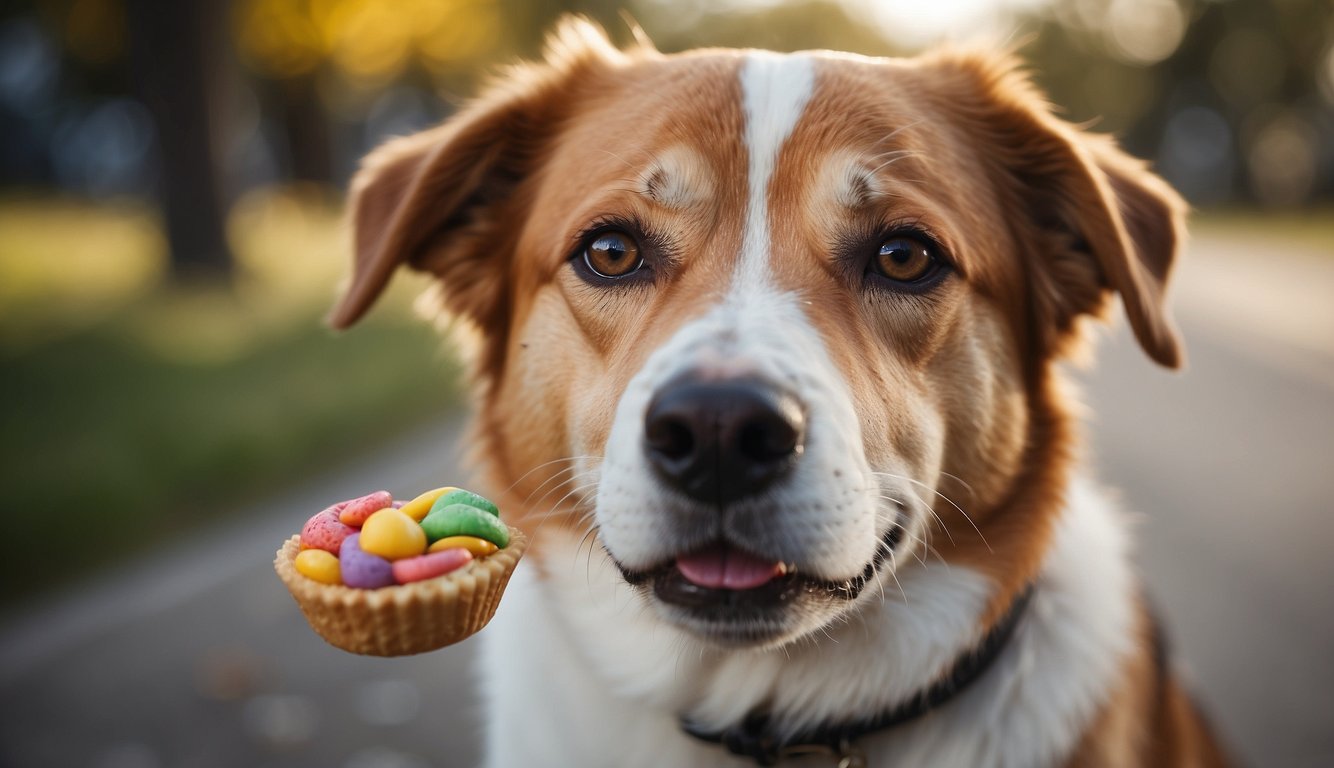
[465, 520]
[461, 496]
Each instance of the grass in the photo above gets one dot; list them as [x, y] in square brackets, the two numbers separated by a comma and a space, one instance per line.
[134, 410]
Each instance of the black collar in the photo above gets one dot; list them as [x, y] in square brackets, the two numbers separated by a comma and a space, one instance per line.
[753, 738]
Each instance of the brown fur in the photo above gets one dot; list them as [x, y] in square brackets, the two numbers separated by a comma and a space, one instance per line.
[1042, 220]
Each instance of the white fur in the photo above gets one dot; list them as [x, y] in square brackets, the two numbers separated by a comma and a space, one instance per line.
[677, 179]
[774, 90]
[579, 672]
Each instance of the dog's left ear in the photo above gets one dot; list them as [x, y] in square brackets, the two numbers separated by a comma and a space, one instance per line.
[1096, 218]
[444, 201]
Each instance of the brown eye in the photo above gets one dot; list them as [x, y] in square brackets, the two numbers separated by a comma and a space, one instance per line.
[613, 254]
[905, 259]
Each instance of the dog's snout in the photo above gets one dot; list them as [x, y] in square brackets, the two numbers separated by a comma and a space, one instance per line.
[722, 440]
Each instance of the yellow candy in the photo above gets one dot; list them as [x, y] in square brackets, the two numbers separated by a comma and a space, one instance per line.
[478, 547]
[319, 565]
[392, 535]
[418, 507]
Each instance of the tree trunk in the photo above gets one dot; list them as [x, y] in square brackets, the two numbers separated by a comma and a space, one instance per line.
[176, 52]
[309, 152]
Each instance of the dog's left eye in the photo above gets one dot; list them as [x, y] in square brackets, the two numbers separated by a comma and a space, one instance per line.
[612, 254]
[906, 259]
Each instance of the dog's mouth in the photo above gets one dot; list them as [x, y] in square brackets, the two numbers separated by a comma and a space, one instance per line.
[741, 598]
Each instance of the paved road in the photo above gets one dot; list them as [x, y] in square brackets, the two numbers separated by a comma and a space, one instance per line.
[198, 658]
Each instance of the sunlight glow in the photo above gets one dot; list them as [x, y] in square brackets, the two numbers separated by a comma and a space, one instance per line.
[916, 24]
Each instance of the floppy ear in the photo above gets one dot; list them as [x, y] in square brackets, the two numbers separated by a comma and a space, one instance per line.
[1098, 218]
[445, 200]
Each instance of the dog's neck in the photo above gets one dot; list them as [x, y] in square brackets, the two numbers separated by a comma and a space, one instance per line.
[1040, 693]
[757, 740]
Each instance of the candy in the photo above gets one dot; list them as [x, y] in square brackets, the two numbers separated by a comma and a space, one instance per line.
[392, 535]
[362, 569]
[325, 531]
[457, 524]
[418, 507]
[462, 519]
[460, 496]
[478, 547]
[429, 566]
[319, 565]
[355, 512]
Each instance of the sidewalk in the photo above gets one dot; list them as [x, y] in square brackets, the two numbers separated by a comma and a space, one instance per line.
[1279, 305]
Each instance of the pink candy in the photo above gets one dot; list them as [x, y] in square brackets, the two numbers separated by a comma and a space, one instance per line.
[429, 566]
[356, 511]
[325, 531]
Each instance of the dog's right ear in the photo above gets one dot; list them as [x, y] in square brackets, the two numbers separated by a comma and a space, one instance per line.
[438, 201]
[1091, 219]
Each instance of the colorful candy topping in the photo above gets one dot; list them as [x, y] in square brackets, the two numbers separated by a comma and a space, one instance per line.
[355, 512]
[325, 531]
[373, 541]
[478, 547]
[455, 519]
[319, 565]
[392, 535]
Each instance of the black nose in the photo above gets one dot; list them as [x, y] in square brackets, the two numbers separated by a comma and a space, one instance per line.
[722, 440]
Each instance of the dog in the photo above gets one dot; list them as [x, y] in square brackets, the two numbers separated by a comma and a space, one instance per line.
[768, 363]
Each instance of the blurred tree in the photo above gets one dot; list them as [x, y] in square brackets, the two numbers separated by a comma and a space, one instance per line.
[176, 54]
[1225, 95]
[1233, 98]
[319, 57]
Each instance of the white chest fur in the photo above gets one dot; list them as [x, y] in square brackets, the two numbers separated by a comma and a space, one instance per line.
[579, 671]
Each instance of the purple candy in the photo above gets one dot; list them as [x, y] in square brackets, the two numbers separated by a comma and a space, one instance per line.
[362, 569]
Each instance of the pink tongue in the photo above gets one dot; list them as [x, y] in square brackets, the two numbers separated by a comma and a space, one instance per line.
[722, 567]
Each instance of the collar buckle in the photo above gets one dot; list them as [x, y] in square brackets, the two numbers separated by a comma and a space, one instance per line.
[847, 753]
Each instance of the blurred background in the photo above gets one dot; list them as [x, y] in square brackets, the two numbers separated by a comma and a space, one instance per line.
[171, 178]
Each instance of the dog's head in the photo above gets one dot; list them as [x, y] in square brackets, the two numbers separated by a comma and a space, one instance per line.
[772, 323]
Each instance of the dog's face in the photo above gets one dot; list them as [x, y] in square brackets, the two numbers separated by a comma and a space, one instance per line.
[770, 324]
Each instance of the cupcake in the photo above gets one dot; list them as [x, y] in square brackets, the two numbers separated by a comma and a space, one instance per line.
[383, 578]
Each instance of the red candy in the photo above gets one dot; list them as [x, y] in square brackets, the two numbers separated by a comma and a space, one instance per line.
[325, 531]
[355, 511]
[429, 566]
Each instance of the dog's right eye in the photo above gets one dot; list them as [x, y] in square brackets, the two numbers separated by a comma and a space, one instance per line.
[612, 254]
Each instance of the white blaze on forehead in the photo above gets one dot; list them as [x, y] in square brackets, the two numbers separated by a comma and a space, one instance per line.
[774, 90]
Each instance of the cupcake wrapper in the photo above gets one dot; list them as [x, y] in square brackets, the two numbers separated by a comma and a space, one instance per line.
[408, 618]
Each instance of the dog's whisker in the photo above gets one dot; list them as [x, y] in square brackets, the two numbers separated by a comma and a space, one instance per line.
[897, 156]
[558, 513]
[582, 540]
[650, 158]
[948, 500]
[906, 126]
[933, 513]
[575, 479]
[960, 481]
[926, 549]
[528, 502]
[525, 475]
